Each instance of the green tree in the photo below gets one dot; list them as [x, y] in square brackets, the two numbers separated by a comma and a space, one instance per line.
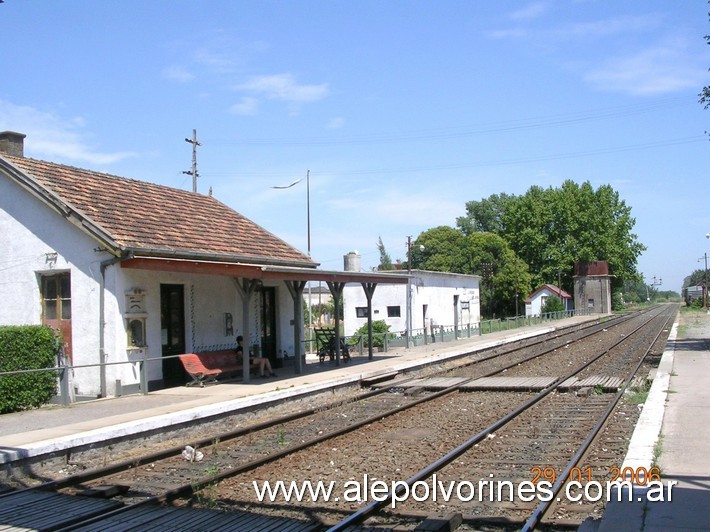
[485, 215]
[697, 278]
[442, 250]
[551, 229]
[448, 250]
[506, 278]
[634, 291]
[385, 259]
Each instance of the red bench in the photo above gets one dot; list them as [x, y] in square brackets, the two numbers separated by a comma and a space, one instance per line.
[205, 367]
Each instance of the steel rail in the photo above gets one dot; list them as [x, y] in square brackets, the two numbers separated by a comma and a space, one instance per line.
[187, 490]
[357, 518]
[224, 437]
[615, 322]
[190, 489]
[197, 444]
[544, 506]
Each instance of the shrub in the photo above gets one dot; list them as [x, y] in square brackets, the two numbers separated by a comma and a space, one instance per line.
[552, 304]
[21, 348]
[617, 301]
[379, 330]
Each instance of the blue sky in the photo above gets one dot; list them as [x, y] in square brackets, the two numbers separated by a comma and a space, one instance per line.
[402, 111]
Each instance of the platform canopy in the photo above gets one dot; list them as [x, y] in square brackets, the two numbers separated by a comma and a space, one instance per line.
[260, 271]
[248, 275]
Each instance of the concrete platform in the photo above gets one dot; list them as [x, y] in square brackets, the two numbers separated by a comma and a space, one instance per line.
[55, 428]
[673, 434]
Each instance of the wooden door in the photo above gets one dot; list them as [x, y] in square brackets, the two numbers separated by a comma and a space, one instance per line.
[268, 323]
[56, 308]
[172, 328]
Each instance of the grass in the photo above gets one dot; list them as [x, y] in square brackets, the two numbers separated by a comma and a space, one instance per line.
[206, 497]
[657, 452]
[281, 436]
[216, 449]
[638, 394]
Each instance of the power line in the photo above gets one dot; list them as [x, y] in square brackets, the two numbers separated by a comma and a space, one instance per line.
[466, 130]
[482, 164]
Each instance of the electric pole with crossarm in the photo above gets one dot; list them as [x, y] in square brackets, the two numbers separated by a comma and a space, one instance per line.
[193, 172]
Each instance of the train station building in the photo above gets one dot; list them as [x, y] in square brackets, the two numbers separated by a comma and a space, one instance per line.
[134, 274]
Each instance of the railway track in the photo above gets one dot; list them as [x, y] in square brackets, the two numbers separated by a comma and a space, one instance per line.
[167, 475]
[545, 438]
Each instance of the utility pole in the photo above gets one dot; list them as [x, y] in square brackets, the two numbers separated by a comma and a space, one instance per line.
[705, 280]
[193, 172]
[409, 292]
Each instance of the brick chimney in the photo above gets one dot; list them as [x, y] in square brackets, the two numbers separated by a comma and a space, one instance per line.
[12, 143]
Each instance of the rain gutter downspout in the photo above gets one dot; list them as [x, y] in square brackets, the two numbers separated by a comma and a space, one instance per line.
[102, 321]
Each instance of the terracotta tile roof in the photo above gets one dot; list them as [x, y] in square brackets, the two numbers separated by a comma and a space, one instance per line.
[154, 218]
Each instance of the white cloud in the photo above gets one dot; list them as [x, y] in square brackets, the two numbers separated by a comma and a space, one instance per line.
[177, 73]
[578, 32]
[515, 33]
[283, 87]
[611, 26]
[658, 70]
[52, 137]
[335, 123]
[246, 107]
[216, 61]
[531, 11]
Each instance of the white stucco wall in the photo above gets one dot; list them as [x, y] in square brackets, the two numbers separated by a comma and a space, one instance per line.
[435, 290]
[206, 300]
[36, 240]
[30, 234]
[534, 308]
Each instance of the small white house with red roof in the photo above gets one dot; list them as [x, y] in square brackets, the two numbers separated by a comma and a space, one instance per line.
[536, 300]
[133, 274]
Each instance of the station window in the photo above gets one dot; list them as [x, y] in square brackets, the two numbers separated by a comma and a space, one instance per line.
[56, 297]
[361, 312]
[393, 312]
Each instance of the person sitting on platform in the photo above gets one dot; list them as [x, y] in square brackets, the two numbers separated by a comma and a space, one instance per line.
[264, 363]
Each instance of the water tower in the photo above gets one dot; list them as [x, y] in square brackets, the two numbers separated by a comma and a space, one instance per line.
[352, 262]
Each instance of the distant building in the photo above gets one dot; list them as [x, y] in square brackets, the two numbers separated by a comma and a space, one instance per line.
[450, 299]
[536, 300]
[592, 287]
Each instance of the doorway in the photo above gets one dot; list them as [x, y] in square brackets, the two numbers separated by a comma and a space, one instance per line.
[172, 328]
[56, 308]
[268, 324]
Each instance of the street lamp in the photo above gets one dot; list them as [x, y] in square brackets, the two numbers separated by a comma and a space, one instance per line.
[308, 231]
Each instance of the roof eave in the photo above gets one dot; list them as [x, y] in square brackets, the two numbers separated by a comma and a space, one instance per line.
[251, 270]
[139, 252]
[63, 208]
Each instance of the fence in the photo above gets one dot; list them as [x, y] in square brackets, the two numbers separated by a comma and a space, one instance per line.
[442, 333]
[448, 333]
